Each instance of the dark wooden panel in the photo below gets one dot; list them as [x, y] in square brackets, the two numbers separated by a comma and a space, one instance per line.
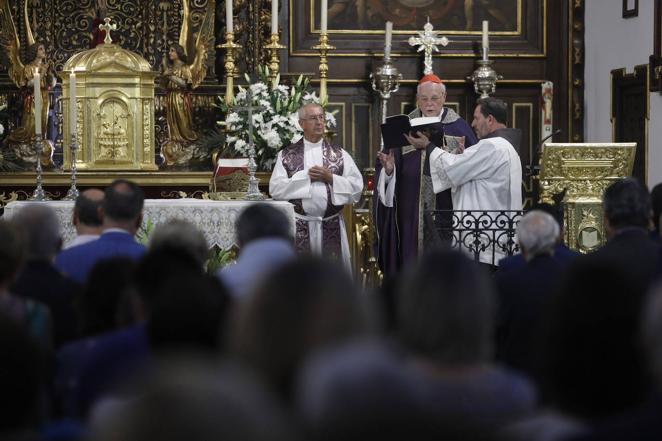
[630, 114]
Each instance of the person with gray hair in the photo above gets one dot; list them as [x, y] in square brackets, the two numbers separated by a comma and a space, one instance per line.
[403, 188]
[524, 291]
[318, 178]
[537, 234]
[180, 236]
[39, 279]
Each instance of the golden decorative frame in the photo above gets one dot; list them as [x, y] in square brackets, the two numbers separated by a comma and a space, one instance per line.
[310, 21]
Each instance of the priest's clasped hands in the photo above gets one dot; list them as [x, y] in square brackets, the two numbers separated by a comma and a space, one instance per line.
[320, 174]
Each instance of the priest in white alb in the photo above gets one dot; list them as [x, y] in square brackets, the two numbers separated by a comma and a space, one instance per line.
[318, 178]
[487, 176]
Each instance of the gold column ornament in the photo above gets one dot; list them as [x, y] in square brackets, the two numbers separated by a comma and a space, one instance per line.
[324, 47]
[230, 68]
[274, 62]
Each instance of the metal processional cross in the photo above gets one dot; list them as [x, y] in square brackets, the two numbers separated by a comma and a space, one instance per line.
[253, 193]
[427, 41]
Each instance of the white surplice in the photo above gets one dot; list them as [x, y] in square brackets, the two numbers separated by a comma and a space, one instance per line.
[488, 176]
[346, 189]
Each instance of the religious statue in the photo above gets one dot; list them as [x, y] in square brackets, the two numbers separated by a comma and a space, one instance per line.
[183, 71]
[20, 143]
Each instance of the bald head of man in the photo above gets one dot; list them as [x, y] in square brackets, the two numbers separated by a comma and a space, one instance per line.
[86, 217]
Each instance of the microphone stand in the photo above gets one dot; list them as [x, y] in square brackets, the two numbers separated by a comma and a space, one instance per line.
[534, 170]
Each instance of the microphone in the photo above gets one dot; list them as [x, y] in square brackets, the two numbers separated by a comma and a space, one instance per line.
[533, 170]
[555, 132]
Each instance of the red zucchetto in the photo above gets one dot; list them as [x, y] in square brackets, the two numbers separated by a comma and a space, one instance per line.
[432, 78]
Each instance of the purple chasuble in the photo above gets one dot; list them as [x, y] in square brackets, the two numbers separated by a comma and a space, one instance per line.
[400, 228]
[332, 159]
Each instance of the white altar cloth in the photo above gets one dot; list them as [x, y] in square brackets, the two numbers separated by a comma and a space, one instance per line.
[215, 219]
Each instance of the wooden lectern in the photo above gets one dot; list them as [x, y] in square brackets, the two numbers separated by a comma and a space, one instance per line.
[583, 171]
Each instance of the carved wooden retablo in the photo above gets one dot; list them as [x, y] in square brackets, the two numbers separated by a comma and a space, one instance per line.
[583, 171]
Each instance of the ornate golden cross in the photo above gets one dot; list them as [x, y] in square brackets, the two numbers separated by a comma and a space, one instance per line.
[108, 27]
[428, 41]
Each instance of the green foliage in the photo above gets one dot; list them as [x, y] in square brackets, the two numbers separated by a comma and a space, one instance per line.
[219, 258]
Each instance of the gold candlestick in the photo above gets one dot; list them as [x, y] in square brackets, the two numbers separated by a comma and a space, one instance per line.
[323, 47]
[230, 68]
[274, 62]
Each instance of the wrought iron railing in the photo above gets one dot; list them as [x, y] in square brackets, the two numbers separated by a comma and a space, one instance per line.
[488, 235]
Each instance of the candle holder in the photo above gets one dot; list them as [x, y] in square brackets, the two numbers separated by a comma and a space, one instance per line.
[253, 193]
[484, 77]
[324, 47]
[38, 194]
[230, 68]
[73, 192]
[274, 62]
[385, 81]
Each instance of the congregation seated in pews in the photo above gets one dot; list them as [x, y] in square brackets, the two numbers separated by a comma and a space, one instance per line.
[145, 342]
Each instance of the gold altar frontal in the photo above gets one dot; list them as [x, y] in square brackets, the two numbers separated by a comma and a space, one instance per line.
[114, 110]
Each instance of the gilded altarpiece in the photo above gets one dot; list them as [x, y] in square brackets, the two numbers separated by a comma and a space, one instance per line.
[582, 172]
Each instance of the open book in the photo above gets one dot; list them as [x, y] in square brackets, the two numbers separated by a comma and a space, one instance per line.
[395, 127]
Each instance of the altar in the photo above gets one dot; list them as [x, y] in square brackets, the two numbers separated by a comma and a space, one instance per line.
[216, 219]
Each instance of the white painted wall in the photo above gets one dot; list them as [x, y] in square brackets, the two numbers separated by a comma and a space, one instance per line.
[613, 42]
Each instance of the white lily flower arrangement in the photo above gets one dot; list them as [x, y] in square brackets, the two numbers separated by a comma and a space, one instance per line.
[275, 125]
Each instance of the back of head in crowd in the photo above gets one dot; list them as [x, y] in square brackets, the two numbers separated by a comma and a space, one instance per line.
[22, 373]
[41, 231]
[188, 315]
[102, 306]
[189, 400]
[178, 235]
[538, 234]
[446, 310]
[592, 362]
[123, 201]
[12, 252]
[495, 107]
[86, 208]
[302, 306]
[656, 201]
[652, 333]
[154, 270]
[626, 203]
[260, 221]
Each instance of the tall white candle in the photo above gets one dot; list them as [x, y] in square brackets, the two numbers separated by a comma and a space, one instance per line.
[387, 39]
[228, 16]
[274, 16]
[486, 42]
[72, 104]
[37, 102]
[324, 10]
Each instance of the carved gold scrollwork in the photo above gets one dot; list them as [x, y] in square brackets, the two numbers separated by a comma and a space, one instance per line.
[4, 200]
[583, 171]
[365, 260]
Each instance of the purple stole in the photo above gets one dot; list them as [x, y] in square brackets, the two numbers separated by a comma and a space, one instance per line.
[332, 159]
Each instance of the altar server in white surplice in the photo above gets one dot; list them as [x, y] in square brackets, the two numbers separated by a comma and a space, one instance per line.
[318, 178]
[488, 176]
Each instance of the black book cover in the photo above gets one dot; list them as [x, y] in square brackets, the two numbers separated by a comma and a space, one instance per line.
[395, 127]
